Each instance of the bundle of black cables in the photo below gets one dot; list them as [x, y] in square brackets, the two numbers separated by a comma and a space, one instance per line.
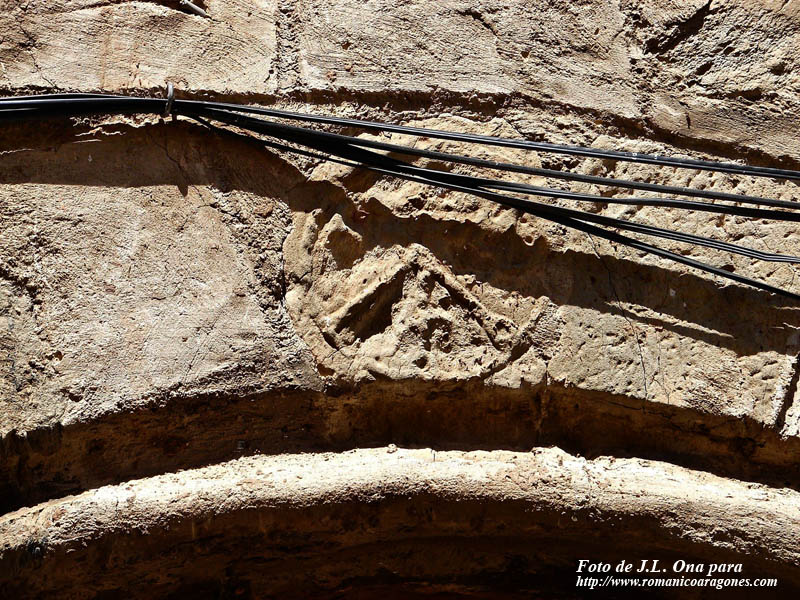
[367, 153]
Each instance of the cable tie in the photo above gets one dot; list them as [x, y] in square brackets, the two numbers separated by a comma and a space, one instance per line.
[194, 8]
[170, 99]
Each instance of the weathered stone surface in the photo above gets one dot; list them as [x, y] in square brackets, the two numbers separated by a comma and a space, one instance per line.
[172, 297]
[125, 281]
[357, 513]
[125, 44]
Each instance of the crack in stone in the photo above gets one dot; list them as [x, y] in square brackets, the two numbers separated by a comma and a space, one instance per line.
[625, 316]
[788, 397]
[683, 31]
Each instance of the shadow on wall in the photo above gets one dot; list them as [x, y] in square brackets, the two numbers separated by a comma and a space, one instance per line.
[180, 428]
[184, 154]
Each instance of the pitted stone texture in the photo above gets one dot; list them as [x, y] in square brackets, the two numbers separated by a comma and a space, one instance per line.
[125, 44]
[404, 281]
[383, 279]
[172, 297]
[551, 50]
[126, 276]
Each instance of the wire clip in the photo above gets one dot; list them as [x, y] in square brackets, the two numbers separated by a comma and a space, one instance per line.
[194, 8]
[170, 99]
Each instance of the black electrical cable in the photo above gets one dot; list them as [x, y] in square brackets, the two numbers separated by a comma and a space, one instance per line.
[653, 159]
[89, 102]
[580, 177]
[55, 104]
[328, 141]
[360, 152]
[53, 108]
[565, 221]
[551, 192]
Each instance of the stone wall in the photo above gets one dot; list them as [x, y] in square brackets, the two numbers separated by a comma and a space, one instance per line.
[209, 349]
